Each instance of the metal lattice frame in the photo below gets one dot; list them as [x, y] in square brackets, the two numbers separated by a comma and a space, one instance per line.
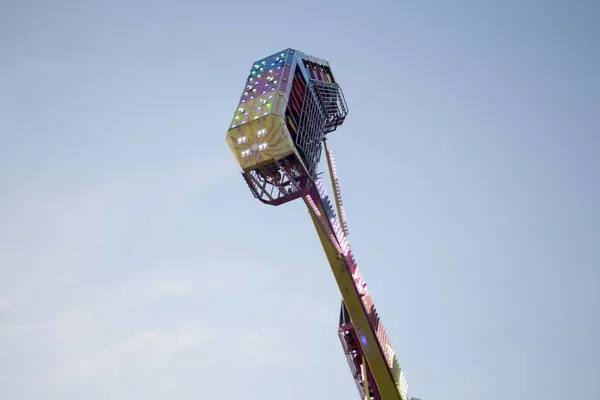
[363, 377]
[278, 182]
[322, 109]
[288, 179]
[333, 102]
[311, 130]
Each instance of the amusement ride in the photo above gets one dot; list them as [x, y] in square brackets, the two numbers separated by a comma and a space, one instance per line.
[290, 104]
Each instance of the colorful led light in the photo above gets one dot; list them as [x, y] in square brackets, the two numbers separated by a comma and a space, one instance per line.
[264, 79]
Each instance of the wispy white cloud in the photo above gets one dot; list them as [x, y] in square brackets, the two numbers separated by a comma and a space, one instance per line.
[52, 235]
[49, 231]
[86, 353]
[145, 291]
[95, 291]
[72, 327]
[96, 341]
[141, 350]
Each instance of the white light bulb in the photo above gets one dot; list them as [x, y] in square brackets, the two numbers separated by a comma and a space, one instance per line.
[242, 139]
[261, 132]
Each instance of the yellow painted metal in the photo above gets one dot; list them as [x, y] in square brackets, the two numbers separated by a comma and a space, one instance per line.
[260, 142]
[373, 353]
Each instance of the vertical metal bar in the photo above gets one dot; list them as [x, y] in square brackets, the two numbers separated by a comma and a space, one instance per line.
[336, 192]
[365, 378]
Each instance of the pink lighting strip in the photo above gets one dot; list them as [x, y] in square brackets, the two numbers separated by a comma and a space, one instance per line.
[338, 237]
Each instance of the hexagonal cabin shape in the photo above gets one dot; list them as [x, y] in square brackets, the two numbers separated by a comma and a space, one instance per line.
[290, 102]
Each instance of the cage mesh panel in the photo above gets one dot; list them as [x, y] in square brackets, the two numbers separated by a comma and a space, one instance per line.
[333, 102]
[311, 129]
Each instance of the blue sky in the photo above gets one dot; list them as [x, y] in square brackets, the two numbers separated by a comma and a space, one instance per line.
[134, 263]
